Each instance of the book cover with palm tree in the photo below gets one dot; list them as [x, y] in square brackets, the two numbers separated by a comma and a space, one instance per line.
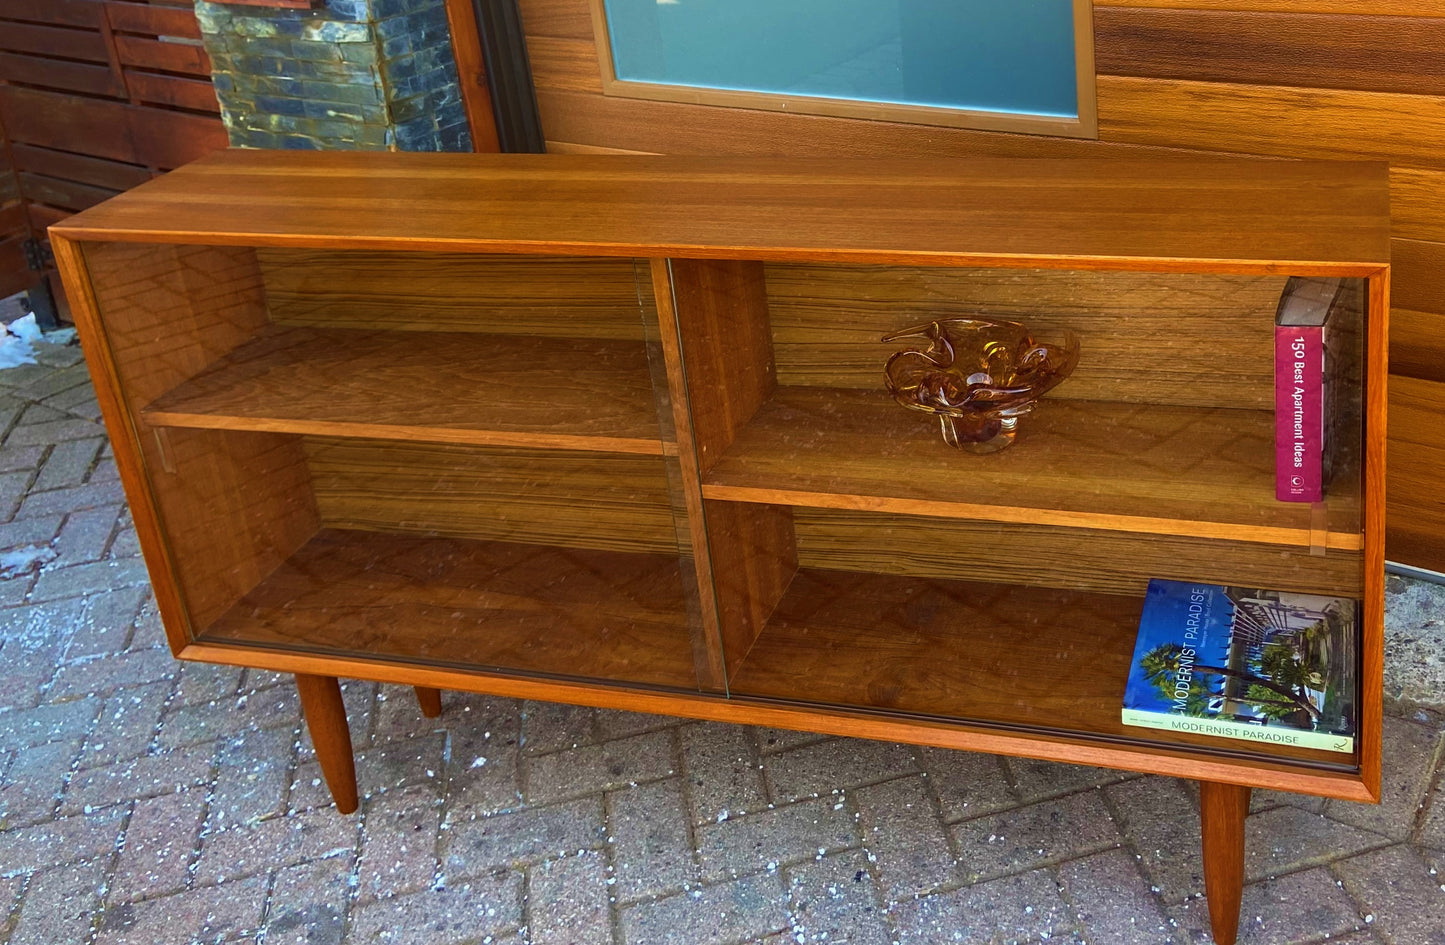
[1249, 663]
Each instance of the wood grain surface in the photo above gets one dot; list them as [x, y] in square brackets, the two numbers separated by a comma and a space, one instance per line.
[1359, 52]
[1136, 468]
[325, 715]
[429, 701]
[1094, 560]
[1417, 204]
[607, 501]
[1219, 330]
[1130, 214]
[1222, 812]
[723, 371]
[726, 348]
[448, 602]
[1413, 265]
[546, 296]
[562, 18]
[89, 78]
[1242, 118]
[579, 118]
[501, 390]
[994, 653]
[684, 479]
[170, 311]
[1416, 457]
[232, 506]
[570, 64]
[1417, 344]
[753, 557]
[1377, 7]
[96, 172]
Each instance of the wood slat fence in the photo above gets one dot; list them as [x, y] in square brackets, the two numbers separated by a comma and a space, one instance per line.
[96, 96]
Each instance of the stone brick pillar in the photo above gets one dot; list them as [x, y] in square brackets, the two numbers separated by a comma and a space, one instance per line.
[345, 74]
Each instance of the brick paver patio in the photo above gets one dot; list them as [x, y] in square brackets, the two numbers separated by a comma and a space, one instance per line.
[146, 802]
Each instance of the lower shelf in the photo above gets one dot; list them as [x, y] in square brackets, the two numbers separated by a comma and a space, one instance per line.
[1023, 659]
[1050, 661]
[497, 606]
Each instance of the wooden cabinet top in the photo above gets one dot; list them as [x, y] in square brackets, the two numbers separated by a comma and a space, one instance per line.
[1159, 213]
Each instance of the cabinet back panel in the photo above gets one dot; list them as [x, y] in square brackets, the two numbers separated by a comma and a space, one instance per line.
[605, 501]
[233, 506]
[518, 295]
[1183, 339]
[1072, 558]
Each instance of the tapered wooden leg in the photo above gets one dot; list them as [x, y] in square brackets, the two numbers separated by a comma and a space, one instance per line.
[1222, 809]
[430, 700]
[326, 720]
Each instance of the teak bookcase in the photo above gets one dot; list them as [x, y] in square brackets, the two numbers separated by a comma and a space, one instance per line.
[613, 431]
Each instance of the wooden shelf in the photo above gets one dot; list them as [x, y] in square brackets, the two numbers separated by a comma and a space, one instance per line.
[1007, 655]
[445, 387]
[486, 605]
[1199, 472]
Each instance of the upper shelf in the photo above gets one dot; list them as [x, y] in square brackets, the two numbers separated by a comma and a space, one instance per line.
[1192, 213]
[441, 387]
[1193, 471]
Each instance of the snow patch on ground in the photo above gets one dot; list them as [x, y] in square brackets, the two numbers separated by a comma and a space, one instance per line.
[25, 560]
[17, 344]
[18, 341]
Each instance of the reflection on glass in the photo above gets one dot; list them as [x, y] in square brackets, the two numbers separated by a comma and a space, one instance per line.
[978, 377]
[978, 55]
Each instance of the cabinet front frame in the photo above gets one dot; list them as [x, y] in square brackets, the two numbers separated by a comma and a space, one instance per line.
[1361, 786]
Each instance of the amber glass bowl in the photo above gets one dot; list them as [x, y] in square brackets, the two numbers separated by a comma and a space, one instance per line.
[977, 377]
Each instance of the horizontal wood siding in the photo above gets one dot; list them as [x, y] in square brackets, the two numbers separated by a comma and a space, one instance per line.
[1359, 53]
[1277, 78]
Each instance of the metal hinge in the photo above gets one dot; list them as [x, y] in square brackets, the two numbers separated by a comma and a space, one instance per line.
[38, 255]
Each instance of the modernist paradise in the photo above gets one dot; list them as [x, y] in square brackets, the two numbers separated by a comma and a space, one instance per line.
[1267, 666]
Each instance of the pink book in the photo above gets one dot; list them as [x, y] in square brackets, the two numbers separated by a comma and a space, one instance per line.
[1301, 389]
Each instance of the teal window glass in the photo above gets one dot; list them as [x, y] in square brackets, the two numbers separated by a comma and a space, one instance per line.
[1014, 56]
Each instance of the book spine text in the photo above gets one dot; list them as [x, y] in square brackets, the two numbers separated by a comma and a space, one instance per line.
[1299, 413]
[1228, 728]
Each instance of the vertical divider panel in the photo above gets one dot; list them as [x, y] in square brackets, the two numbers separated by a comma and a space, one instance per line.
[754, 558]
[659, 328]
[708, 650]
[721, 370]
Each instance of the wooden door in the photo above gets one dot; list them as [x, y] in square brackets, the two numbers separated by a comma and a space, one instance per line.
[96, 96]
[1349, 79]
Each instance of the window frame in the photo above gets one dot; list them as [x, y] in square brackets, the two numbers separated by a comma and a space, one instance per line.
[1085, 125]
